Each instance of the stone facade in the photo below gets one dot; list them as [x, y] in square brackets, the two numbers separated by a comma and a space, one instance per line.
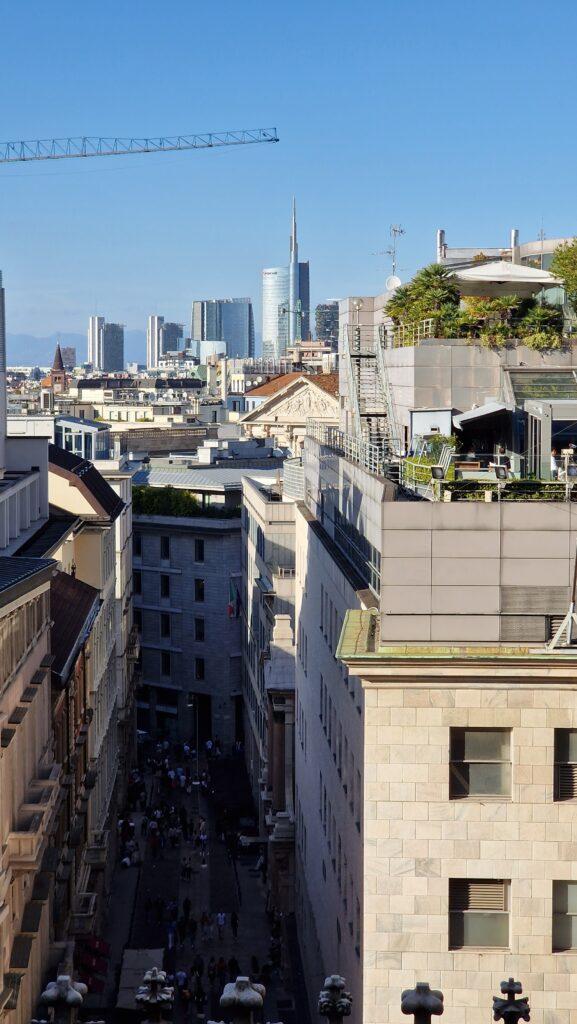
[187, 571]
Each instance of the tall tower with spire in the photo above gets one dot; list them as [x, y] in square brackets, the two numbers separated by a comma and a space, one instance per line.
[299, 301]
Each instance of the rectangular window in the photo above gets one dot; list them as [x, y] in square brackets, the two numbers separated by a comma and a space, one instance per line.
[137, 581]
[199, 550]
[164, 625]
[137, 545]
[165, 663]
[565, 764]
[199, 590]
[480, 763]
[199, 668]
[564, 916]
[165, 548]
[199, 630]
[164, 585]
[478, 913]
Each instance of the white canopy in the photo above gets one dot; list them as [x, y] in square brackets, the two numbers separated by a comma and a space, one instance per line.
[502, 278]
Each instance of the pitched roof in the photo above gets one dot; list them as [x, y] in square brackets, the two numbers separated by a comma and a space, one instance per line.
[88, 477]
[49, 536]
[15, 573]
[72, 605]
[270, 387]
[328, 382]
[58, 363]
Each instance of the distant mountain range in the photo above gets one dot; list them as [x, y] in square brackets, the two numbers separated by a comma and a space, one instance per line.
[29, 350]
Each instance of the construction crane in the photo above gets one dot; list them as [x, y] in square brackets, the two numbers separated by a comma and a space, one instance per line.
[62, 149]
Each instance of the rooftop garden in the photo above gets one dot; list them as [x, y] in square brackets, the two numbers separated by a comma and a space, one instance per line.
[174, 501]
[492, 321]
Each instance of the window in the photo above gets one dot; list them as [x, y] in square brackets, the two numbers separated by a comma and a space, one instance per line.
[199, 550]
[137, 581]
[137, 545]
[564, 916]
[164, 585]
[565, 764]
[199, 668]
[199, 590]
[480, 763]
[165, 548]
[478, 913]
[199, 630]
[165, 663]
[164, 625]
[137, 619]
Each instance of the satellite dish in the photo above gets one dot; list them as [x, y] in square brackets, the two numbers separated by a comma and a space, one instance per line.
[392, 283]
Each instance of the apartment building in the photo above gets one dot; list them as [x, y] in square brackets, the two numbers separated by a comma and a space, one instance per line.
[268, 602]
[186, 571]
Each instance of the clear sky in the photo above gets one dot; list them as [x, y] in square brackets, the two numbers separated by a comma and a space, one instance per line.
[447, 114]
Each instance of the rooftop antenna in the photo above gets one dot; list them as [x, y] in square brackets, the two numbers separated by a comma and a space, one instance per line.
[395, 232]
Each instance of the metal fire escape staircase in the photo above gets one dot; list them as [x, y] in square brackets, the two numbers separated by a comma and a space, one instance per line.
[372, 407]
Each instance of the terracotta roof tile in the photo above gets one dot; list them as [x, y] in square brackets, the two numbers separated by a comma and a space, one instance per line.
[328, 382]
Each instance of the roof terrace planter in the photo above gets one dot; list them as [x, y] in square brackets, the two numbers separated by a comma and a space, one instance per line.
[513, 490]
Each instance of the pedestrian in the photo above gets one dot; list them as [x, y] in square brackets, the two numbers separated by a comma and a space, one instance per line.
[234, 923]
[220, 922]
[186, 1002]
[200, 1002]
[144, 826]
[198, 965]
[211, 971]
[181, 978]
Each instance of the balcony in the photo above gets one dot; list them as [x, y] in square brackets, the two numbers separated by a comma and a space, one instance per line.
[96, 853]
[83, 913]
[25, 841]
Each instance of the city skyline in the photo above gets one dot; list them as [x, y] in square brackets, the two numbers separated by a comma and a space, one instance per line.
[218, 216]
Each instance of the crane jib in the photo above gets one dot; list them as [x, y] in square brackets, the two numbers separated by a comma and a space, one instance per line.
[85, 146]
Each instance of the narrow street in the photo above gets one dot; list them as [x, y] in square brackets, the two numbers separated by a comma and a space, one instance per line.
[148, 901]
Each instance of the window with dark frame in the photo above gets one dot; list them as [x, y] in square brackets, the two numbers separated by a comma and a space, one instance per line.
[480, 763]
[199, 668]
[165, 548]
[164, 585]
[165, 663]
[478, 913]
[137, 581]
[199, 550]
[164, 625]
[199, 590]
[565, 782]
[199, 629]
[564, 916]
[137, 545]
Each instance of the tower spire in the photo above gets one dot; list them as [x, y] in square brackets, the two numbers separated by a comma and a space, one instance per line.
[294, 244]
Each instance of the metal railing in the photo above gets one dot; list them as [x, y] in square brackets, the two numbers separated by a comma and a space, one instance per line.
[412, 334]
[375, 458]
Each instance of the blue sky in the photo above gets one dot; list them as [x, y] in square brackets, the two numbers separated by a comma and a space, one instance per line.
[444, 114]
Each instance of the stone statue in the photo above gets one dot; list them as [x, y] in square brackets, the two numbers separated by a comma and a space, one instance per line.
[64, 996]
[511, 1010]
[154, 995]
[242, 997]
[334, 1002]
[423, 1002]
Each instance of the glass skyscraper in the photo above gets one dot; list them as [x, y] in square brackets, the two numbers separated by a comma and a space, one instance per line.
[285, 302]
[226, 320]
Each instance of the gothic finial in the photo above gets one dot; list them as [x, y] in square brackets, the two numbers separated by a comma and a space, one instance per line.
[334, 1002]
[511, 1010]
[422, 1001]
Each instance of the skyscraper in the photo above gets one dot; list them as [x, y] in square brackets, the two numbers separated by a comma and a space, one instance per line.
[327, 321]
[161, 337]
[69, 356]
[226, 320]
[285, 301]
[105, 345]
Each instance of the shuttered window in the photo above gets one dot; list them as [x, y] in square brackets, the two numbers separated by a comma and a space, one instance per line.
[478, 913]
[480, 763]
[565, 764]
[564, 916]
